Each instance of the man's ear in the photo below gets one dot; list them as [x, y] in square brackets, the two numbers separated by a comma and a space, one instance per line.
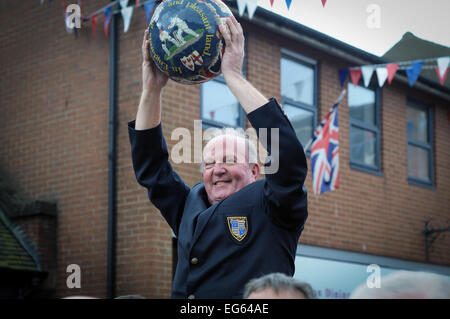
[255, 171]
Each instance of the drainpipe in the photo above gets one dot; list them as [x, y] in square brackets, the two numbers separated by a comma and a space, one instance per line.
[111, 253]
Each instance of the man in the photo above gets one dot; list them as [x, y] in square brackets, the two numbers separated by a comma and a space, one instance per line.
[278, 286]
[232, 227]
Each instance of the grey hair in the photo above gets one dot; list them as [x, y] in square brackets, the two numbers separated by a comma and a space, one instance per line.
[214, 133]
[277, 282]
[406, 284]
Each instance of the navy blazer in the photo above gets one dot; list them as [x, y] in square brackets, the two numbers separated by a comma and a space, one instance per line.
[251, 233]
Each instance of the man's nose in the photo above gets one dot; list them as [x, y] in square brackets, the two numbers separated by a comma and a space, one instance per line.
[219, 168]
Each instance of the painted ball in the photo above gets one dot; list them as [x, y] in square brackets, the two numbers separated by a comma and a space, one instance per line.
[185, 41]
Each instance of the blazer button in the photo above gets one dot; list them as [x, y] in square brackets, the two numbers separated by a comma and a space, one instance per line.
[191, 297]
[194, 261]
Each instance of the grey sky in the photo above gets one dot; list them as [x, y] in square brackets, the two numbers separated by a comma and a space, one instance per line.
[347, 20]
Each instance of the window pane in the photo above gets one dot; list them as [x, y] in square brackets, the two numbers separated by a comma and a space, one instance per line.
[297, 81]
[219, 104]
[418, 166]
[417, 125]
[361, 102]
[302, 121]
[363, 144]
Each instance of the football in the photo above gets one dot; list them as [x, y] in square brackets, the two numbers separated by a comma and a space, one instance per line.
[185, 41]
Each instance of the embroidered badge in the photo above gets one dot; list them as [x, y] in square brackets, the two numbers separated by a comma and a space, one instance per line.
[238, 227]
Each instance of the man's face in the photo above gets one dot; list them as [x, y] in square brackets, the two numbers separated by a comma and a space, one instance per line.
[226, 169]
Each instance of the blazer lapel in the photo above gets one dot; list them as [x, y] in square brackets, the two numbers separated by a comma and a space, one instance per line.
[203, 213]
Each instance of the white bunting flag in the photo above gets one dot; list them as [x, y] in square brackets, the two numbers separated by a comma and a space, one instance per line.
[251, 7]
[367, 72]
[241, 6]
[442, 64]
[127, 13]
[382, 75]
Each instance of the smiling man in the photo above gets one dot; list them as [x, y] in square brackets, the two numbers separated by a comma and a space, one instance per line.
[232, 227]
[227, 167]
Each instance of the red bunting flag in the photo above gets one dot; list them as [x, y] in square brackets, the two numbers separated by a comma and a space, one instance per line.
[94, 23]
[392, 69]
[324, 2]
[441, 78]
[271, 3]
[355, 75]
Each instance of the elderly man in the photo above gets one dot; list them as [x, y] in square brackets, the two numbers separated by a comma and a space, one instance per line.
[232, 227]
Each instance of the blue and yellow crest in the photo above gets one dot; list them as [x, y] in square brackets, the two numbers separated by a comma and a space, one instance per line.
[238, 227]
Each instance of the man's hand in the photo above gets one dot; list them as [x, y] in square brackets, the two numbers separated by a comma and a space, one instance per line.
[233, 56]
[152, 77]
[153, 81]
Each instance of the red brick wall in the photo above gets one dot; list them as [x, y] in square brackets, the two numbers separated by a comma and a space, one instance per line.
[54, 142]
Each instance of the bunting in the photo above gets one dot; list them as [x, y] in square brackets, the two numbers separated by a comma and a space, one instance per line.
[387, 71]
[107, 11]
[127, 12]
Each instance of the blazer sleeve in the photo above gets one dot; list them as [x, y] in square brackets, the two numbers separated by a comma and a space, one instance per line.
[166, 190]
[285, 166]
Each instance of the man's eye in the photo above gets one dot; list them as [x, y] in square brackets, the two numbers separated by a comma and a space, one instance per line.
[209, 164]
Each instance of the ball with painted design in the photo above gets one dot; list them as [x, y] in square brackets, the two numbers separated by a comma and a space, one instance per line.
[185, 41]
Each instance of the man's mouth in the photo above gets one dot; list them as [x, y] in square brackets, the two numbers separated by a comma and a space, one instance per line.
[221, 182]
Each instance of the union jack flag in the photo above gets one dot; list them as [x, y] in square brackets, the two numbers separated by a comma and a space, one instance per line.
[325, 152]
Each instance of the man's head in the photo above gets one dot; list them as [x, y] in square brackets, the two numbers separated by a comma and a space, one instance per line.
[406, 285]
[277, 286]
[229, 164]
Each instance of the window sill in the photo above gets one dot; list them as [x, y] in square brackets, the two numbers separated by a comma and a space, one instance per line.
[418, 182]
[366, 169]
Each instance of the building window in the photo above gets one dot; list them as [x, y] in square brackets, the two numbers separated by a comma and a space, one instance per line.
[364, 128]
[219, 107]
[419, 149]
[299, 93]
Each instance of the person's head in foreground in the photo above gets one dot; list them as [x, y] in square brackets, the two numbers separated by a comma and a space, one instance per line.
[277, 286]
[229, 164]
[406, 285]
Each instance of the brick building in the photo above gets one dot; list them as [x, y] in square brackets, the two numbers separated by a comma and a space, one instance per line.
[54, 102]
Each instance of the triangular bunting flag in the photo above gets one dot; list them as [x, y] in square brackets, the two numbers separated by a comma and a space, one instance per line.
[355, 75]
[241, 6]
[442, 64]
[367, 72]
[127, 13]
[288, 3]
[106, 20]
[392, 69]
[94, 23]
[382, 74]
[324, 2]
[251, 7]
[441, 78]
[414, 71]
[343, 74]
[271, 3]
[148, 6]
